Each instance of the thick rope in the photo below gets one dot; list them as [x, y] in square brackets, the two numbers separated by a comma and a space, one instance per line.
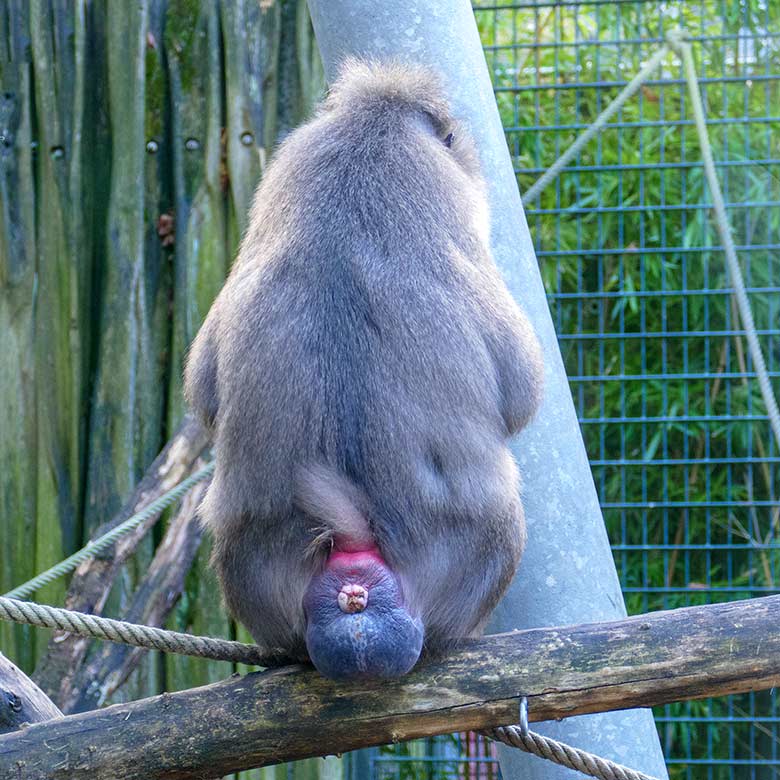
[596, 127]
[565, 755]
[682, 48]
[134, 634]
[675, 40]
[103, 543]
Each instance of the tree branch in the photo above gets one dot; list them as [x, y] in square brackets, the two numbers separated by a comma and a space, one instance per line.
[281, 715]
[106, 670]
[21, 700]
[92, 581]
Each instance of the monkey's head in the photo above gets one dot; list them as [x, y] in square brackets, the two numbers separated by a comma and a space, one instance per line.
[388, 91]
[357, 624]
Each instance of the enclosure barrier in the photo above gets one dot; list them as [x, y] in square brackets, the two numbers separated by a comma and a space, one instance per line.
[685, 654]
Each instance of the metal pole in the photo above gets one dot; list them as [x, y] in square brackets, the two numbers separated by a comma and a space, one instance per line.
[567, 574]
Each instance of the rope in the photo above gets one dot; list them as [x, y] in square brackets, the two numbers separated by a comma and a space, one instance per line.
[134, 634]
[103, 543]
[598, 125]
[563, 754]
[675, 40]
[678, 43]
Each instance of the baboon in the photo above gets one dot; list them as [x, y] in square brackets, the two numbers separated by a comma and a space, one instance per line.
[362, 371]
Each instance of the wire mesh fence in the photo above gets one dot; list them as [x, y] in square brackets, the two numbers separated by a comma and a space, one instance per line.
[673, 421]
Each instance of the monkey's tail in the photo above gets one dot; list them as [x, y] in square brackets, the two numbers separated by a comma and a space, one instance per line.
[341, 506]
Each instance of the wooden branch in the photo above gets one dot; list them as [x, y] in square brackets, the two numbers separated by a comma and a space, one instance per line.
[271, 717]
[92, 581]
[21, 700]
[153, 600]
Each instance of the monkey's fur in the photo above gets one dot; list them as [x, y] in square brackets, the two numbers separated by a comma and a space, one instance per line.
[363, 368]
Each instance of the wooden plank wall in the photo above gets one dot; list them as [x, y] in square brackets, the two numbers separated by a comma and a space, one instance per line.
[132, 136]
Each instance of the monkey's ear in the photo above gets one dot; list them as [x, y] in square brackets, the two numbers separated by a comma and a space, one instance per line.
[448, 140]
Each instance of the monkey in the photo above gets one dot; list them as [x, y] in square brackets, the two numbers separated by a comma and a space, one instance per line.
[361, 372]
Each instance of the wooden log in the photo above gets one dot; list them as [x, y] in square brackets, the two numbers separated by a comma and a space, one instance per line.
[266, 718]
[21, 700]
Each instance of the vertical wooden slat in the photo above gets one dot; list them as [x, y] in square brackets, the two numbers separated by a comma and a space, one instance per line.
[126, 408]
[289, 106]
[294, 79]
[157, 284]
[158, 250]
[122, 353]
[192, 44]
[58, 38]
[246, 48]
[311, 74]
[17, 280]
[300, 76]
[200, 261]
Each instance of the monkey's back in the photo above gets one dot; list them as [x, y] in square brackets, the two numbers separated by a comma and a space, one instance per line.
[357, 330]
[365, 329]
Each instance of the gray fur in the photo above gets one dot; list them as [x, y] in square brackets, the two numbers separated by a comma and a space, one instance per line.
[365, 327]
[325, 494]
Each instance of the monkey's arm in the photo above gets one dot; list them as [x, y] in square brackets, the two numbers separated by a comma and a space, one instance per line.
[200, 372]
[517, 357]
